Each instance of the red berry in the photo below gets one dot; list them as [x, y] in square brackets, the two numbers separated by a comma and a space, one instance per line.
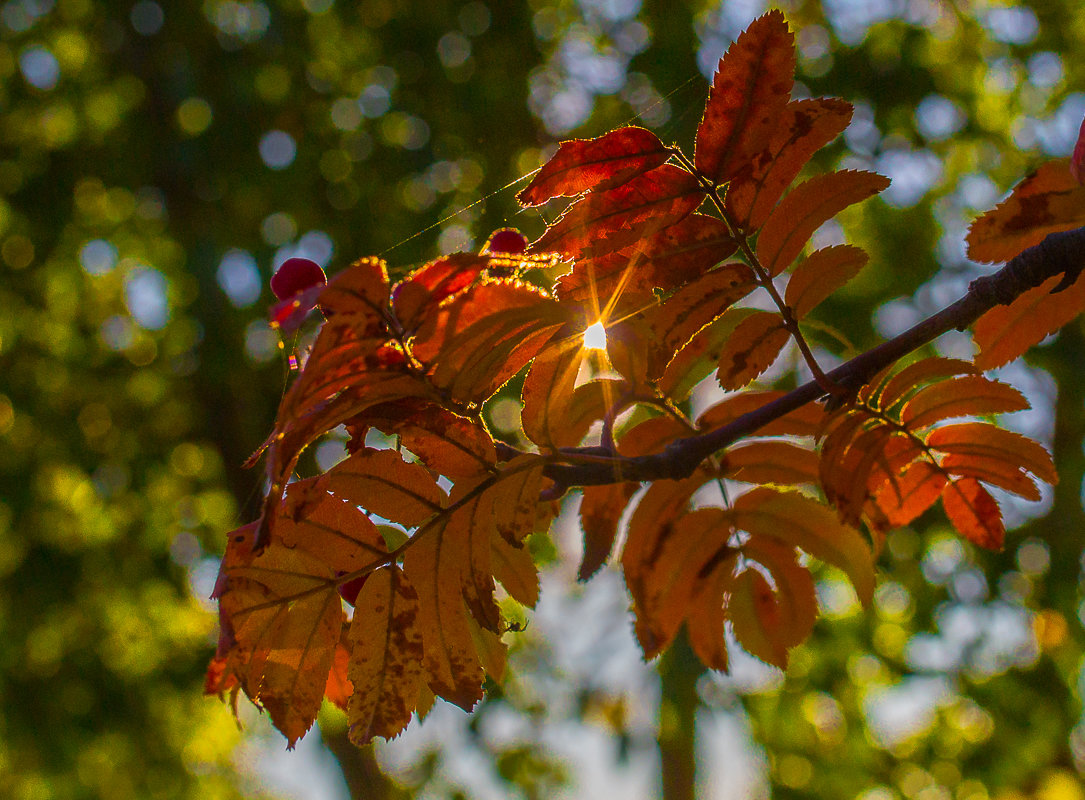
[349, 590]
[506, 240]
[296, 275]
[1077, 160]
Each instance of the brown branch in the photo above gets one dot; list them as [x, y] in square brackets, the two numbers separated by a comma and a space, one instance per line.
[1059, 253]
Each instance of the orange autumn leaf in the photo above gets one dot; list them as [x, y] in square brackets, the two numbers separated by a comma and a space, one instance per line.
[804, 127]
[967, 395]
[751, 349]
[908, 496]
[991, 441]
[974, 513]
[1049, 200]
[386, 658]
[1006, 332]
[805, 208]
[820, 274]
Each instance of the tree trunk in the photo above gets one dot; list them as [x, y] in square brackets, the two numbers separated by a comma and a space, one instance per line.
[679, 670]
[363, 775]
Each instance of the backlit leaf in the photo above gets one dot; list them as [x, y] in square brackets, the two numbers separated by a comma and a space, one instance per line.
[751, 87]
[674, 323]
[651, 202]
[707, 614]
[807, 524]
[804, 421]
[1048, 201]
[622, 281]
[967, 395]
[985, 439]
[381, 482]
[974, 513]
[596, 164]
[914, 375]
[1006, 332]
[386, 660]
[992, 470]
[916, 490]
[804, 127]
[514, 567]
[771, 462]
[805, 208]
[284, 616]
[751, 349]
[820, 274]
[434, 565]
[547, 393]
[757, 617]
[600, 511]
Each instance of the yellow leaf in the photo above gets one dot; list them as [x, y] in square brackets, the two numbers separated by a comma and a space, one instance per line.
[381, 482]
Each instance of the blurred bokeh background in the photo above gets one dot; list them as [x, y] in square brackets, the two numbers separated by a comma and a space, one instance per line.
[159, 159]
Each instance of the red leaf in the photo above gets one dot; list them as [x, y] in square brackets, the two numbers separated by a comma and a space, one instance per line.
[596, 164]
[651, 201]
[1047, 201]
[974, 513]
[804, 128]
[806, 208]
[749, 92]
[622, 281]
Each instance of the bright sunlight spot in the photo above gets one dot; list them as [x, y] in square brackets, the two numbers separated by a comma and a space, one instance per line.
[595, 337]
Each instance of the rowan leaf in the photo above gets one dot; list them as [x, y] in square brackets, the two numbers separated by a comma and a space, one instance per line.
[515, 569]
[597, 164]
[807, 524]
[434, 565]
[908, 496]
[622, 281]
[804, 127]
[420, 293]
[787, 615]
[338, 689]
[1049, 200]
[751, 87]
[804, 421]
[680, 316]
[381, 482]
[547, 393]
[1008, 331]
[991, 441]
[770, 461]
[282, 614]
[820, 274]
[649, 527]
[644, 206]
[974, 513]
[601, 510]
[805, 208]
[967, 395]
[687, 552]
[446, 442]
[914, 375]
[992, 470]
[386, 658]
[707, 615]
[757, 617]
[751, 349]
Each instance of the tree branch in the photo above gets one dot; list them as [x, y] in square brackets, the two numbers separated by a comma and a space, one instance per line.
[1060, 253]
